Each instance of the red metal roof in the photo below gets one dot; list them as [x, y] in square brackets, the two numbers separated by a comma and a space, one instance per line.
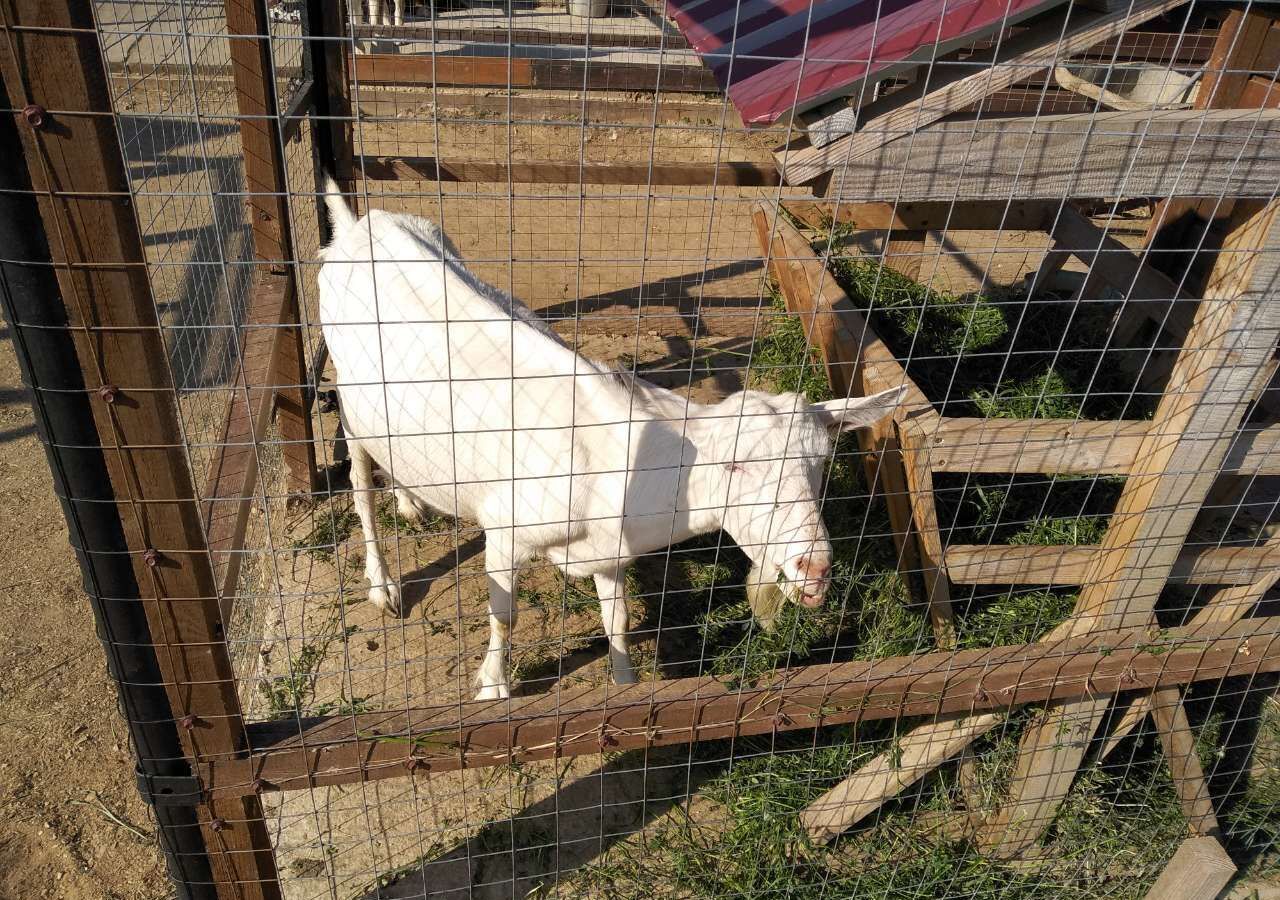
[772, 56]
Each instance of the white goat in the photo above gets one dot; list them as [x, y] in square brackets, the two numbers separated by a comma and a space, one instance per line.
[474, 407]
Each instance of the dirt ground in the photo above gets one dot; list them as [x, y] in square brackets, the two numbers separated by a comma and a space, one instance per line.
[71, 822]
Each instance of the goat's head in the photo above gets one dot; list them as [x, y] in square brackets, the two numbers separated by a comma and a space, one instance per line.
[772, 450]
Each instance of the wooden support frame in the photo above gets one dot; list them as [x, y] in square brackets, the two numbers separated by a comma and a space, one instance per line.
[261, 132]
[914, 442]
[954, 88]
[1217, 374]
[77, 169]
[1199, 870]
[530, 72]
[587, 720]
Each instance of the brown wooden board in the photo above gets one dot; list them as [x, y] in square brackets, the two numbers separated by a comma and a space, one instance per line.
[935, 215]
[1068, 565]
[425, 168]
[53, 59]
[1199, 870]
[524, 72]
[260, 132]
[579, 719]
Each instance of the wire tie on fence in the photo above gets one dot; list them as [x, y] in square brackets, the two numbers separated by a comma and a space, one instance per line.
[218, 824]
[34, 115]
[189, 721]
[108, 393]
[151, 557]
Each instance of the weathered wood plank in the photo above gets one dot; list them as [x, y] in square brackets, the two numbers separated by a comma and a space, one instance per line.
[1179, 745]
[1217, 374]
[913, 438]
[1160, 153]
[529, 72]
[952, 88]
[1199, 870]
[582, 719]
[1068, 565]
[1074, 447]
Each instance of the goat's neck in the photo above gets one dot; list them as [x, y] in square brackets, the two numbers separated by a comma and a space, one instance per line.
[700, 499]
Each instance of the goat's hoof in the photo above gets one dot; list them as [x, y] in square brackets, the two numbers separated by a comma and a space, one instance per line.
[493, 692]
[624, 677]
[386, 597]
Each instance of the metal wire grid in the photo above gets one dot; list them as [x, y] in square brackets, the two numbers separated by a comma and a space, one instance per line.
[653, 278]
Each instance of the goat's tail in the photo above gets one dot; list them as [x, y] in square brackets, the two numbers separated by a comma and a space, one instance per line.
[341, 218]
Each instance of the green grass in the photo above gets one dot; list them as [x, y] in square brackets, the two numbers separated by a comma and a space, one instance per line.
[784, 361]
[1016, 617]
[1046, 396]
[938, 322]
[290, 694]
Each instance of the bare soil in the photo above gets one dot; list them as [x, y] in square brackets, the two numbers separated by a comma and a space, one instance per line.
[71, 822]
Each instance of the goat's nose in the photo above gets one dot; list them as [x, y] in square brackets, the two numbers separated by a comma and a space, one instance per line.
[812, 569]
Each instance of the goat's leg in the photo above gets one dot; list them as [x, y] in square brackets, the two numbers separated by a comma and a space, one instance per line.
[501, 572]
[375, 12]
[383, 592]
[399, 11]
[611, 589]
[409, 507]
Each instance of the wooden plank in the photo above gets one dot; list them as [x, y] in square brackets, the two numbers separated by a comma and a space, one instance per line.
[951, 88]
[1157, 153]
[1184, 763]
[904, 252]
[1068, 565]
[268, 187]
[582, 719]
[915, 755]
[333, 126]
[230, 484]
[426, 168]
[635, 33]
[527, 72]
[77, 170]
[1199, 870]
[858, 363]
[1074, 447]
[1228, 605]
[913, 437]
[976, 215]
[1217, 374]
[1260, 91]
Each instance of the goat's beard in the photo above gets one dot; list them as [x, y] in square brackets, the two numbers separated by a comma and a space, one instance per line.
[764, 594]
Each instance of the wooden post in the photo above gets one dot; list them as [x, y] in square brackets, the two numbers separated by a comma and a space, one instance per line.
[52, 60]
[334, 138]
[914, 441]
[268, 187]
[1217, 373]
[1198, 871]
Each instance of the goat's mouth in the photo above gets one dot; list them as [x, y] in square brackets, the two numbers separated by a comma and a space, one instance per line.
[811, 599]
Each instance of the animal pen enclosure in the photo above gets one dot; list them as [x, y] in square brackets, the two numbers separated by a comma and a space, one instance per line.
[1046, 662]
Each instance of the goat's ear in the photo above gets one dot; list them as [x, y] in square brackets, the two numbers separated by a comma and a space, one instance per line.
[857, 412]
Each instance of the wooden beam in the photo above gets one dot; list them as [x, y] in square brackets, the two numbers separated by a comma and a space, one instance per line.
[1217, 374]
[935, 215]
[77, 171]
[1068, 565]
[1199, 870]
[1156, 153]
[637, 34]
[1074, 447]
[913, 438]
[425, 168]
[1228, 605]
[915, 755]
[232, 478]
[253, 68]
[857, 362]
[582, 719]
[528, 72]
[949, 89]
[1179, 744]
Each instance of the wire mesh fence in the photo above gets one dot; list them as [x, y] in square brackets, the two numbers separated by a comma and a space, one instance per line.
[536, 538]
